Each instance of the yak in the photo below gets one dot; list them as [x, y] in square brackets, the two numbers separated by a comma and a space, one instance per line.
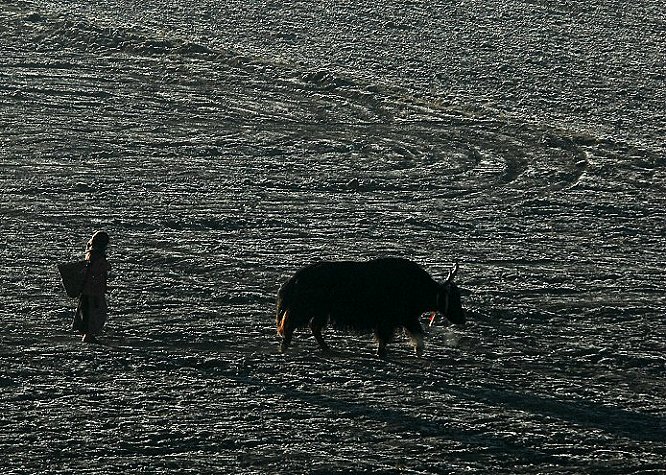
[378, 296]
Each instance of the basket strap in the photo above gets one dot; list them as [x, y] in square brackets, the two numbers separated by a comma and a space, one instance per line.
[85, 277]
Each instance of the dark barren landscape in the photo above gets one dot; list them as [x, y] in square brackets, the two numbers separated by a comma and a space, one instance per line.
[223, 145]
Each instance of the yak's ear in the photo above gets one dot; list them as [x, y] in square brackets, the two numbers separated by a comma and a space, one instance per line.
[465, 292]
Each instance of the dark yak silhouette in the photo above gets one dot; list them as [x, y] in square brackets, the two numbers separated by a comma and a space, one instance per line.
[376, 296]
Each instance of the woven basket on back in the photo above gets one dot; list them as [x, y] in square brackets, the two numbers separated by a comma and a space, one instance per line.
[72, 274]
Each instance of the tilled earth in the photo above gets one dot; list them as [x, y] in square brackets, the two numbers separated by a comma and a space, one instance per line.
[225, 144]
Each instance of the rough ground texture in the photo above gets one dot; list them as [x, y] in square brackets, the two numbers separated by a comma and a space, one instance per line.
[225, 144]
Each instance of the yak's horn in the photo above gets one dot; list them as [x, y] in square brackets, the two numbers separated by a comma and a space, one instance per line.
[452, 272]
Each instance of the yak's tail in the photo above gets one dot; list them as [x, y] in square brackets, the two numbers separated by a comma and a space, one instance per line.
[283, 301]
[281, 321]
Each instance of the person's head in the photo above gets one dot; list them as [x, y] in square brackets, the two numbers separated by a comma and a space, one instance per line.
[98, 242]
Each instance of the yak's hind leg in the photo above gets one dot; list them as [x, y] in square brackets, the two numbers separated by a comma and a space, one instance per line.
[317, 325]
[415, 335]
[286, 340]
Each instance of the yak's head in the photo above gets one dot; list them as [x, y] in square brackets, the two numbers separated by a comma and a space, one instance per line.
[448, 299]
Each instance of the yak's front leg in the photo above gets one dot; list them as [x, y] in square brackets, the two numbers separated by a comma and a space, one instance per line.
[382, 336]
[415, 334]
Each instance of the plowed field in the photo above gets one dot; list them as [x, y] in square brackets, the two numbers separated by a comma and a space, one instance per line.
[223, 145]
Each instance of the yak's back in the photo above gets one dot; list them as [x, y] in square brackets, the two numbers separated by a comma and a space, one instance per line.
[396, 280]
[384, 273]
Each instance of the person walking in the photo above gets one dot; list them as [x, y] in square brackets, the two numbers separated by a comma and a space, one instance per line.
[92, 308]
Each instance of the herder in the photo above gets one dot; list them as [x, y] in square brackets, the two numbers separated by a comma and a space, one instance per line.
[92, 308]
